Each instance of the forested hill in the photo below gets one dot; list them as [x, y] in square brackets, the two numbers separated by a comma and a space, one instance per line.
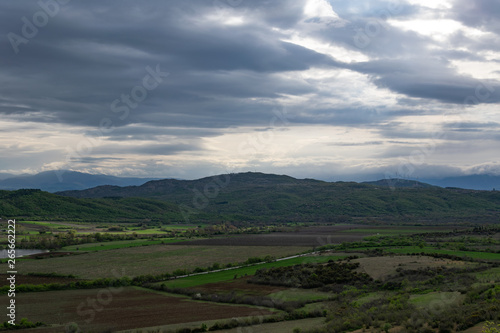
[255, 198]
[43, 206]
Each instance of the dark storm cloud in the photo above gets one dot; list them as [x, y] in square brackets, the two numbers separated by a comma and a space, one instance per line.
[483, 14]
[91, 53]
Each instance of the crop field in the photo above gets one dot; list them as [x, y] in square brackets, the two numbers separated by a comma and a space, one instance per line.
[55, 226]
[281, 327]
[154, 259]
[237, 285]
[202, 279]
[398, 230]
[417, 283]
[305, 236]
[90, 247]
[381, 267]
[30, 279]
[83, 228]
[120, 309]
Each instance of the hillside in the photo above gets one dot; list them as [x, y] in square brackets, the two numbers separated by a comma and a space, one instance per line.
[44, 206]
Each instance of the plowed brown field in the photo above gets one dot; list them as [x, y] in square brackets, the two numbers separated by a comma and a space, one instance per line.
[126, 309]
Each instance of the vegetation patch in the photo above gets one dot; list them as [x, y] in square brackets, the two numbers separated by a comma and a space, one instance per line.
[311, 275]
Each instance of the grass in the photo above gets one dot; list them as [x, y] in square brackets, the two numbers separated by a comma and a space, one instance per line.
[436, 299]
[202, 279]
[489, 275]
[371, 297]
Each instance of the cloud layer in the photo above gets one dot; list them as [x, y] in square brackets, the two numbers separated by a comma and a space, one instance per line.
[313, 88]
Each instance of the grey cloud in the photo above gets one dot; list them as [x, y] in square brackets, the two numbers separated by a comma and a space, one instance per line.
[479, 13]
[431, 79]
[471, 126]
[354, 144]
[85, 62]
[147, 149]
[92, 160]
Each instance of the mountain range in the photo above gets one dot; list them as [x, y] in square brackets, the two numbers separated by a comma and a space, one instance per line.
[255, 198]
[63, 180]
[476, 182]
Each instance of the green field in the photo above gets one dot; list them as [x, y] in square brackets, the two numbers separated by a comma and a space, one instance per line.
[228, 275]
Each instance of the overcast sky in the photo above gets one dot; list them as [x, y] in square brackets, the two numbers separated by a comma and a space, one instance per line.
[332, 90]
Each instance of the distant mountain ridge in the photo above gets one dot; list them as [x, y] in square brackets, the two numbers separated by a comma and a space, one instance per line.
[63, 180]
[476, 182]
[4, 175]
[399, 183]
[171, 188]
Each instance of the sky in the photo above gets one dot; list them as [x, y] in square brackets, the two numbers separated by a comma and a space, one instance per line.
[325, 89]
